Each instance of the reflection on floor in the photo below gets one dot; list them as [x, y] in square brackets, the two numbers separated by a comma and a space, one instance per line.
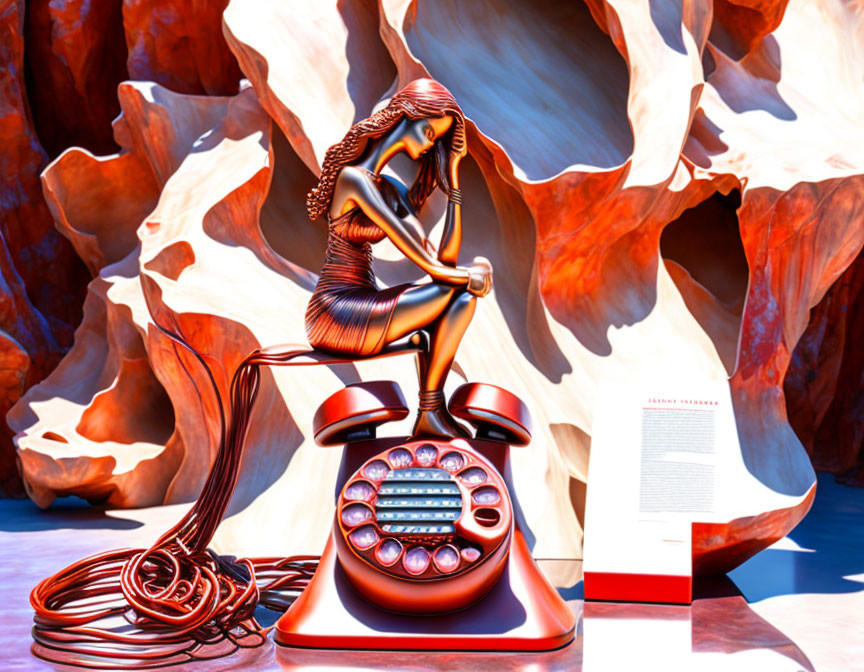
[796, 606]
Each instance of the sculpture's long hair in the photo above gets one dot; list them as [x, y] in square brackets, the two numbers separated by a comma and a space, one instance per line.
[421, 99]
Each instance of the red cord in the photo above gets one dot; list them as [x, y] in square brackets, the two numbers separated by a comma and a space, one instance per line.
[177, 600]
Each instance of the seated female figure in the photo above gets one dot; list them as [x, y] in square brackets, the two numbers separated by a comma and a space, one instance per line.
[348, 313]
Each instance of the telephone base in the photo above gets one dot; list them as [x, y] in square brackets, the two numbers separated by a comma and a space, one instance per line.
[521, 613]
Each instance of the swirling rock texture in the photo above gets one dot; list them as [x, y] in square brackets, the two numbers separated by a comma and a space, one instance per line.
[38, 309]
[62, 65]
[824, 384]
[665, 189]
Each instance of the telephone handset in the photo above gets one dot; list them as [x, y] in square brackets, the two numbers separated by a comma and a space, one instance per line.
[424, 527]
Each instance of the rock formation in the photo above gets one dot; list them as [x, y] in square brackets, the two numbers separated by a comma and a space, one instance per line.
[671, 188]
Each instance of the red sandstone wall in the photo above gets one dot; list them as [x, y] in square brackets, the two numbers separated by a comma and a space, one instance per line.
[605, 138]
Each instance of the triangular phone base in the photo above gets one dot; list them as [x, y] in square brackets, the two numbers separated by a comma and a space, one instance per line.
[521, 613]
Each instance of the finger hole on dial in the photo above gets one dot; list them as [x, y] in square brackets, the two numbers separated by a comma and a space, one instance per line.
[487, 517]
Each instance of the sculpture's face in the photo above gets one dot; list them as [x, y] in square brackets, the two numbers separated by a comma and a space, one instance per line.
[420, 134]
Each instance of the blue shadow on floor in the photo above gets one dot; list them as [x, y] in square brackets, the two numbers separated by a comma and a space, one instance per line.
[831, 537]
[66, 513]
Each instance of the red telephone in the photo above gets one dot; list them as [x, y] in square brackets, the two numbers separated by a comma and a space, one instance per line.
[426, 552]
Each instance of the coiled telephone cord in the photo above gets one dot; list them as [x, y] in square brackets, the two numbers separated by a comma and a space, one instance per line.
[177, 600]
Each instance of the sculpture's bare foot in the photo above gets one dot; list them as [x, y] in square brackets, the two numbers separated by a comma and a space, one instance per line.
[434, 421]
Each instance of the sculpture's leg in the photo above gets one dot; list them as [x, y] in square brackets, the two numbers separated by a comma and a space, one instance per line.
[445, 312]
[433, 418]
[447, 334]
[417, 308]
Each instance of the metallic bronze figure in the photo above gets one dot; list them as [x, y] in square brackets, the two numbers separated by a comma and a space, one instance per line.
[348, 313]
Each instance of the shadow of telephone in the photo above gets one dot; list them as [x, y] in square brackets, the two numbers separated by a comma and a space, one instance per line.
[425, 551]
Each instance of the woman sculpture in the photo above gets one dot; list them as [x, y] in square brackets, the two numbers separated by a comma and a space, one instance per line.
[348, 313]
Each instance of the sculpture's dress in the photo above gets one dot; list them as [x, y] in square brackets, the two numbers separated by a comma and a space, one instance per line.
[348, 313]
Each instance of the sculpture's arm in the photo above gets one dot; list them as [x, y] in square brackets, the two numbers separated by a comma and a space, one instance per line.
[354, 187]
[396, 195]
[451, 236]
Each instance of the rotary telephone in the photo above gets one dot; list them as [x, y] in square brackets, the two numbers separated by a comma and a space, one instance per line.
[425, 550]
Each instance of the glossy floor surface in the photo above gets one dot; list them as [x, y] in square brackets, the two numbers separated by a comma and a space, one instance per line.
[796, 606]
